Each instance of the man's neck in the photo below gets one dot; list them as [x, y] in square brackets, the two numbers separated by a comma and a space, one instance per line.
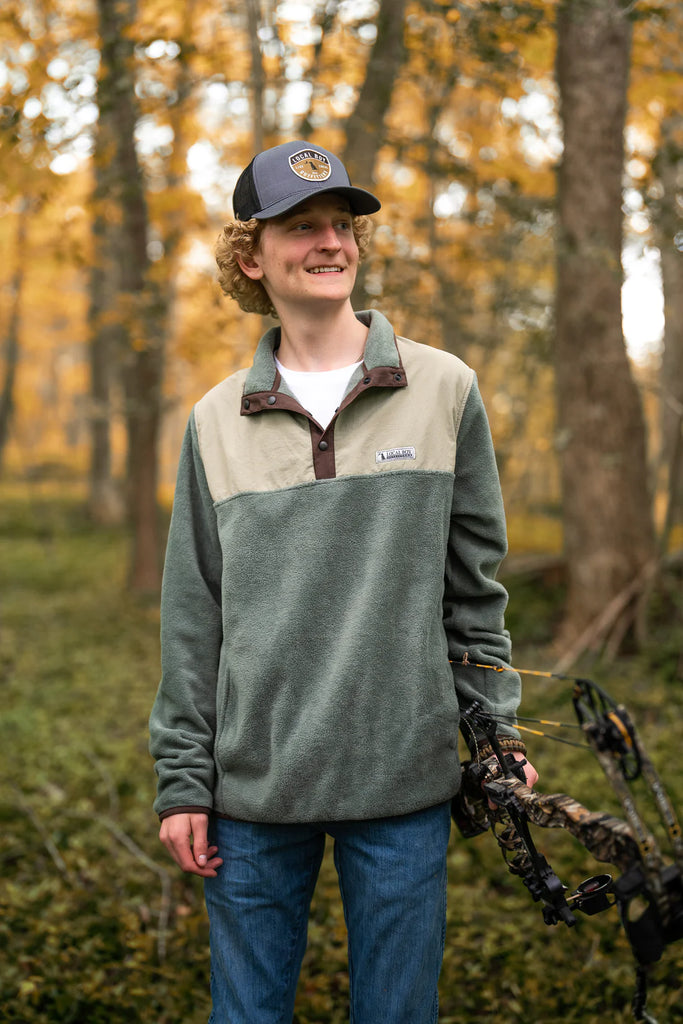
[325, 341]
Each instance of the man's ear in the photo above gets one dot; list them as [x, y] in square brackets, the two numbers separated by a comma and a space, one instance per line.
[250, 267]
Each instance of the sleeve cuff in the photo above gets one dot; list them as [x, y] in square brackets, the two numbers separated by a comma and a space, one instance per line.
[184, 810]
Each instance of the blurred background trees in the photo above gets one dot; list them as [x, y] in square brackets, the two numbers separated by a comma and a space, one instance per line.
[607, 510]
[524, 153]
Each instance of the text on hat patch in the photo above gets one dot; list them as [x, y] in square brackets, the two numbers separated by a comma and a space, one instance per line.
[310, 165]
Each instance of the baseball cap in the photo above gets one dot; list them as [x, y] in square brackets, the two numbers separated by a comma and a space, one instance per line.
[280, 178]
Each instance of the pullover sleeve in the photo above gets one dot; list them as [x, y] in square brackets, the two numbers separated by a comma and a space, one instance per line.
[474, 601]
[183, 718]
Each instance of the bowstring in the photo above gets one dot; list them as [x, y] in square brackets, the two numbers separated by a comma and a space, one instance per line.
[511, 720]
[516, 719]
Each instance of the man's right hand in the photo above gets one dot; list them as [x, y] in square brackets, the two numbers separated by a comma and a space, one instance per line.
[185, 838]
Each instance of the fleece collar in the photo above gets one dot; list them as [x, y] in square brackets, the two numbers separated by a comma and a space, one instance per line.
[380, 352]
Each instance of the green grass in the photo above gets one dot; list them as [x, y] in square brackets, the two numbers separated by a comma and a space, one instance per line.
[98, 925]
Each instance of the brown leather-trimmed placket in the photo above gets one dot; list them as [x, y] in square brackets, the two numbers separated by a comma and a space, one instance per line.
[378, 377]
[262, 401]
[265, 401]
[322, 441]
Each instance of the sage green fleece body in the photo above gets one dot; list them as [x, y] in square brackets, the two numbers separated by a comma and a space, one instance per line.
[318, 585]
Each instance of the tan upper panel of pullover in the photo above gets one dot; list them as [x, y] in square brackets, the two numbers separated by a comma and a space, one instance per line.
[411, 408]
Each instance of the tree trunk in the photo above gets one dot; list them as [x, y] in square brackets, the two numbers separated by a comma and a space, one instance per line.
[141, 305]
[105, 501]
[324, 19]
[364, 134]
[609, 533]
[258, 78]
[669, 165]
[364, 127]
[13, 328]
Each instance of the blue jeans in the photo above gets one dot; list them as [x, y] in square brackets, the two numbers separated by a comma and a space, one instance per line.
[392, 878]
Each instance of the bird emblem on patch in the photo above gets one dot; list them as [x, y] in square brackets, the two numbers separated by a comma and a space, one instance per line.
[310, 165]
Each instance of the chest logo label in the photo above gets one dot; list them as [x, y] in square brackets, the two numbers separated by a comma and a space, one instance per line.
[394, 454]
[310, 165]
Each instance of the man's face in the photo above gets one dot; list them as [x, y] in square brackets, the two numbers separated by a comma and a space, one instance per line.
[308, 255]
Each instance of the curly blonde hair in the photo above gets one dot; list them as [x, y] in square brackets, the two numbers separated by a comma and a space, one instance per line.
[241, 238]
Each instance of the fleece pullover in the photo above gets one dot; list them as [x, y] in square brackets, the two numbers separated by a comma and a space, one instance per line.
[322, 587]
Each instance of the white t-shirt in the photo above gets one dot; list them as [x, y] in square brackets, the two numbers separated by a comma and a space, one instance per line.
[319, 392]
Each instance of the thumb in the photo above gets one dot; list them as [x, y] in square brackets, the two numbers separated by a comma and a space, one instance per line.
[199, 838]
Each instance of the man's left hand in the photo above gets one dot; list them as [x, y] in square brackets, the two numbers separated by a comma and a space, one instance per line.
[529, 770]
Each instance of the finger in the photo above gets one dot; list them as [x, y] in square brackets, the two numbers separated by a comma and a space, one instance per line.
[180, 848]
[200, 844]
[185, 859]
[210, 870]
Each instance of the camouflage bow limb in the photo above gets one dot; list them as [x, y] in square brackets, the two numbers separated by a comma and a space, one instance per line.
[607, 838]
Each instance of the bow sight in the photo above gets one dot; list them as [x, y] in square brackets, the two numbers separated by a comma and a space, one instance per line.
[648, 893]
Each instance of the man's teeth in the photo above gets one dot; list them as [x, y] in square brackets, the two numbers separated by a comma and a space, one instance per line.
[325, 270]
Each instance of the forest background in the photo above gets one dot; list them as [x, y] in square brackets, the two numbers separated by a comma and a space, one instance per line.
[525, 153]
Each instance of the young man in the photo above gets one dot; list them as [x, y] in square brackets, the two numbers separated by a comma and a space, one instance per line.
[330, 570]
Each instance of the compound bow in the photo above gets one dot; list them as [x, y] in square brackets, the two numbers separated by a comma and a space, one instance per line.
[649, 892]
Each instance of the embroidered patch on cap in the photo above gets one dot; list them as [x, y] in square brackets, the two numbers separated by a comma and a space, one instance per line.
[393, 454]
[310, 165]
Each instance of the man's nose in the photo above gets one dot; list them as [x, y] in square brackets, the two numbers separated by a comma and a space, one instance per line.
[328, 238]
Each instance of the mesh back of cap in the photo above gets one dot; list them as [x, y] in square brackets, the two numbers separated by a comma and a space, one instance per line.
[245, 201]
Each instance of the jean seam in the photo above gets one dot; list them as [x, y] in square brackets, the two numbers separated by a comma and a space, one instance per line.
[444, 925]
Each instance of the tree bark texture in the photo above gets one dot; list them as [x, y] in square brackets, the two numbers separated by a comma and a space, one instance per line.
[364, 127]
[364, 134]
[106, 338]
[669, 164]
[13, 329]
[609, 533]
[140, 304]
[258, 77]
